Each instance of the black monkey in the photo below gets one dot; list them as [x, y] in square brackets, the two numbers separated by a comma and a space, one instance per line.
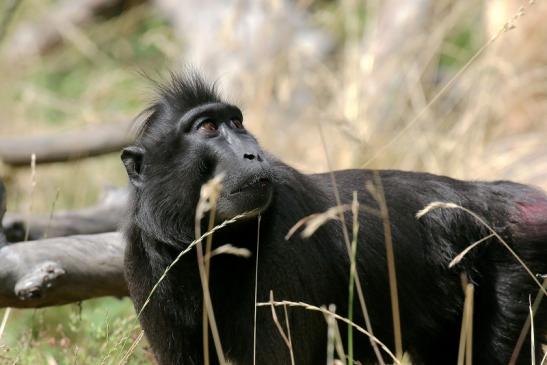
[191, 135]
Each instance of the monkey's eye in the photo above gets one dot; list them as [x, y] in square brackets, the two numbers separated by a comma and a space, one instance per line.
[236, 123]
[208, 126]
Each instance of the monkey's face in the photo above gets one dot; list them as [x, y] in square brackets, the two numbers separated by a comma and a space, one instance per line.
[172, 163]
[228, 150]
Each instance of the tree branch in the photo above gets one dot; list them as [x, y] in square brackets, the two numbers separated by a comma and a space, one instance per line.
[103, 217]
[61, 270]
[86, 142]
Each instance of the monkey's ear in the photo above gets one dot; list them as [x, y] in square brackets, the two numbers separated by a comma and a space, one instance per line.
[132, 159]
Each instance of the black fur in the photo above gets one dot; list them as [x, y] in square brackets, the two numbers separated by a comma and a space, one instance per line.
[171, 161]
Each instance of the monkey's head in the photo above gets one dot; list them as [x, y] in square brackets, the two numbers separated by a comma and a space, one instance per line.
[189, 137]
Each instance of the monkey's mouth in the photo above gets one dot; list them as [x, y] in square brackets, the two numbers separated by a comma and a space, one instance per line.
[255, 183]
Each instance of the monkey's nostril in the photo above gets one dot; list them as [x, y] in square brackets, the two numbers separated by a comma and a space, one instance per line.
[249, 156]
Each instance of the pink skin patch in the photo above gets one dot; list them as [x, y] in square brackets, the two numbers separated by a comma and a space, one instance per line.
[533, 217]
[534, 213]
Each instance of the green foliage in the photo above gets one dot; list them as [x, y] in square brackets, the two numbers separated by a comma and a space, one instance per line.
[98, 70]
[461, 44]
[98, 331]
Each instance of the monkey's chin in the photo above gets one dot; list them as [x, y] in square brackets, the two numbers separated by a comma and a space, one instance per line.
[249, 203]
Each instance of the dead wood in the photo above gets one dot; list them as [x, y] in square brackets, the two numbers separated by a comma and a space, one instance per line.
[61, 270]
[103, 217]
[89, 141]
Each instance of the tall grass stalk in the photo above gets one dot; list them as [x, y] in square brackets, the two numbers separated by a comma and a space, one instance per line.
[256, 288]
[355, 212]
[208, 305]
[285, 336]
[532, 334]
[4, 321]
[470, 298]
[460, 256]
[31, 193]
[463, 329]
[207, 203]
[379, 195]
[325, 311]
[338, 343]
[207, 263]
[132, 348]
[358, 286]
[465, 351]
[331, 322]
[51, 212]
[445, 205]
[526, 327]
[291, 351]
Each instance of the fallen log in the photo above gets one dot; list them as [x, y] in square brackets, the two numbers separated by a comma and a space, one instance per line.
[64, 270]
[61, 270]
[86, 142]
[103, 217]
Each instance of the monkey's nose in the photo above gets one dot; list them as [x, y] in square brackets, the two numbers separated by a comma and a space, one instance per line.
[250, 156]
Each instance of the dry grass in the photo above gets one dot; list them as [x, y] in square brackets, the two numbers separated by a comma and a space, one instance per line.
[394, 95]
[337, 317]
[479, 219]
[466, 330]
[488, 123]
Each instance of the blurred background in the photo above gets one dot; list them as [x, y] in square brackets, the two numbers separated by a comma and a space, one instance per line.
[457, 88]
